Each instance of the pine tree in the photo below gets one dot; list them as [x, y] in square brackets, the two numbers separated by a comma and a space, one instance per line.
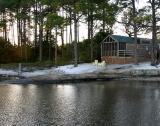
[134, 11]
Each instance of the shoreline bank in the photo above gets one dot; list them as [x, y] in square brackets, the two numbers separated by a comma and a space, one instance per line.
[65, 79]
[83, 73]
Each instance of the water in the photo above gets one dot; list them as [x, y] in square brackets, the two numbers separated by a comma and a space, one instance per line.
[116, 103]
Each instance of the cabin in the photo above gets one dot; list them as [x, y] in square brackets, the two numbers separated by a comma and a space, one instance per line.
[116, 49]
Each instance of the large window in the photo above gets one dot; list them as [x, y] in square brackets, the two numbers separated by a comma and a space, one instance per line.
[122, 46]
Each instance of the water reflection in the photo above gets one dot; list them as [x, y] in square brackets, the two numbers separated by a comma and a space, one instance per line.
[103, 103]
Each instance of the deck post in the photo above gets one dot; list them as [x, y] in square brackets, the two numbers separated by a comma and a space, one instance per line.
[117, 49]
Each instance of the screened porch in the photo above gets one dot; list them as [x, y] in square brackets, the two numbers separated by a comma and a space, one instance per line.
[117, 49]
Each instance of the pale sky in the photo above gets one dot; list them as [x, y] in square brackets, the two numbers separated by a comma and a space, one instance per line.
[118, 29]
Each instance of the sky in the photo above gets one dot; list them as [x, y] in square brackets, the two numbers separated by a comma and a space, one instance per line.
[118, 29]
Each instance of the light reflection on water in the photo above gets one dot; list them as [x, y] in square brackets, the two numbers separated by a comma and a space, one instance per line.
[116, 103]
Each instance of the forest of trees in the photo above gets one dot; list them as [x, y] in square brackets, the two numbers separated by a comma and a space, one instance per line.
[37, 25]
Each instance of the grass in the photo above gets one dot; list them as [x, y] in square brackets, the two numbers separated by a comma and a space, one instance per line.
[9, 66]
[35, 65]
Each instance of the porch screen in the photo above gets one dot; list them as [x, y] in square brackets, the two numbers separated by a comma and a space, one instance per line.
[109, 49]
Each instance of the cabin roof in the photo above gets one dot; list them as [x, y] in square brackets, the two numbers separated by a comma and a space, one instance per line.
[124, 39]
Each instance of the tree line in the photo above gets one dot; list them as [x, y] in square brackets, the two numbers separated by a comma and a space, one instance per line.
[38, 25]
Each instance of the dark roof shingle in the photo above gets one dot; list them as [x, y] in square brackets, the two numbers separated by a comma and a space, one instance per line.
[124, 39]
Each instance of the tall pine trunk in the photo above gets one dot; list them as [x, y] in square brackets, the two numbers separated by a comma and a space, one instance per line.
[70, 28]
[55, 50]
[35, 23]
[62, 39]
[154, 36]
[5, 26]
[41, 36]
[104, 22]
[18, 29]
[25, 40]
[50, 44]
[75, 40]
[40, 41]
[90, 31]
[91, 37]
[135, 32]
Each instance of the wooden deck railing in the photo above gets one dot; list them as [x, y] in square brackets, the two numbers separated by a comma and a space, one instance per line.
[119, 53]
[125, 53]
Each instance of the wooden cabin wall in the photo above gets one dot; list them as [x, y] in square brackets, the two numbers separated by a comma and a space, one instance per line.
[143, 50]
[118, 60]
[122, 52]
[130, 47]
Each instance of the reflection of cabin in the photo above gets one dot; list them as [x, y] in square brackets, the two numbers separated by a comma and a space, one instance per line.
[117, 49]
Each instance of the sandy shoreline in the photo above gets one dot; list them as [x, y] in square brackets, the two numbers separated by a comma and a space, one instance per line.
[83, 73]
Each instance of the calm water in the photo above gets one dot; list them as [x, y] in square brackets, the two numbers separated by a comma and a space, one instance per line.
[91, 104]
